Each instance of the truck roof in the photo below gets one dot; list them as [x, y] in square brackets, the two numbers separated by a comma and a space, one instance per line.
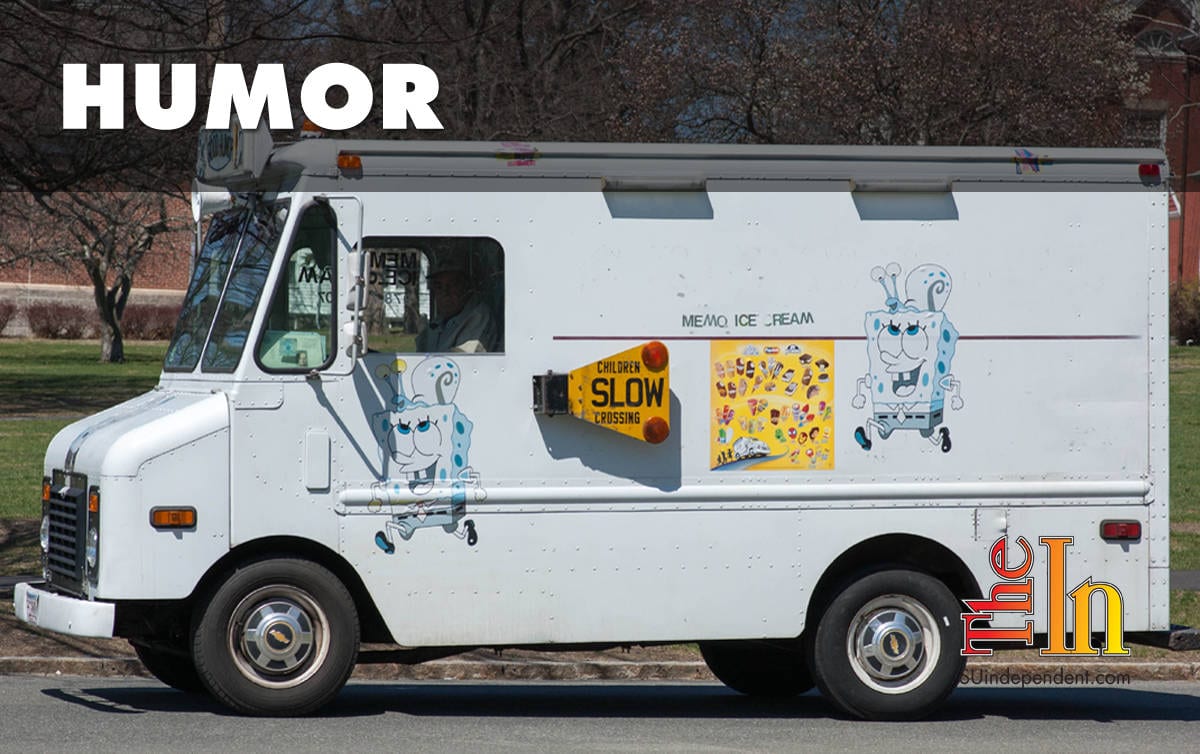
[674, 165]
[589, 151]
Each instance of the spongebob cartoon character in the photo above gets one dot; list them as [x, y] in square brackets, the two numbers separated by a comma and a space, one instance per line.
[910, 347]
[427, 440]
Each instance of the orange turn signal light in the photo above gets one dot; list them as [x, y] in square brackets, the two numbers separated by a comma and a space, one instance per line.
[94, 500]
[45, 490]
[173, 518]
[310, 130]
[349, 161]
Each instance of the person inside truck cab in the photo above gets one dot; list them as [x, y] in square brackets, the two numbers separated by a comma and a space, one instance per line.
[461, 320]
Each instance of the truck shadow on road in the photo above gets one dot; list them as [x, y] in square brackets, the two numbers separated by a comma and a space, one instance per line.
[135, 700]
[700, 701]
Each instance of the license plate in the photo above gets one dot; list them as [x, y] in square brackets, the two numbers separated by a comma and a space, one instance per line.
[31, 607]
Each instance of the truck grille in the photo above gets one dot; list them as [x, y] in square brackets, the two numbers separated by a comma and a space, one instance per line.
[67, 509]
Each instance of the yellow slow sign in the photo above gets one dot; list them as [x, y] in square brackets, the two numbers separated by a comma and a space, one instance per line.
[628, 392]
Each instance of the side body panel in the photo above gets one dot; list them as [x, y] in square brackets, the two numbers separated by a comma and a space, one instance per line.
[1053, 400]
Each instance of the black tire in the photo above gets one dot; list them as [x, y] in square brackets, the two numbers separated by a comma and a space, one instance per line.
[174, 668]
[889, 646]
[758, 668]
[277, 637]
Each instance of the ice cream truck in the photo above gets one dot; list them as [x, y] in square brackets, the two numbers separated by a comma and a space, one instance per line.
[841, 416]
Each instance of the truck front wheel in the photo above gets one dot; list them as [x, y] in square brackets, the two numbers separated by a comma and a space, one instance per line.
[277, 637]
[888, 647]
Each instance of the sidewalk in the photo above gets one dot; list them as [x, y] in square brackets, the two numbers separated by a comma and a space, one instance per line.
[28, 650]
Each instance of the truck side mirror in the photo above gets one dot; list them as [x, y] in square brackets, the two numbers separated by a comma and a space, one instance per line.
[353, 282]
[355, 302]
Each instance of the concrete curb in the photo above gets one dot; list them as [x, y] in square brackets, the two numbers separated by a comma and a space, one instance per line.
[538, 670]
[977, 672]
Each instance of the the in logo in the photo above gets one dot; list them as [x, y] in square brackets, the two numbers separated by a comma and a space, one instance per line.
[1014, 594]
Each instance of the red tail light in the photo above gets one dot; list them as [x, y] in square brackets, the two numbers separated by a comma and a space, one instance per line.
[1120, 531]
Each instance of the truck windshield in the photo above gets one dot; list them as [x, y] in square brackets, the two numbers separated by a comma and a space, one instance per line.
[226, 285]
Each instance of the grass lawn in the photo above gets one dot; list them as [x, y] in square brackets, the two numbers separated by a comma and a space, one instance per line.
[23, 443]
[53, 377]
[44, 386]
[1185, 458]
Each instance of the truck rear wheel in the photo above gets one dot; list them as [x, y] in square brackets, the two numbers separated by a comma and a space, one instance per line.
[889, 646]
[758, 668]
[174, 668]
[278, 637]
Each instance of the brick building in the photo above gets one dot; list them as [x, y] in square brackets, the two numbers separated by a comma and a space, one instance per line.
[161, 278]
[1167, 33]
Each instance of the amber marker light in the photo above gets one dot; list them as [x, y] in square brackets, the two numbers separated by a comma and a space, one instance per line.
[655, 355]
[310, 130]
[655, 430]
[349, 161]
[46, 490]
[94, 501]
[173, 518]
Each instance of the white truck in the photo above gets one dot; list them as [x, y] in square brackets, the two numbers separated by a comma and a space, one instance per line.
[794, 404]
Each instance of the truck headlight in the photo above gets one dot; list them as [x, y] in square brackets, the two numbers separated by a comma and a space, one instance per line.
[45, 533]
[93, 546]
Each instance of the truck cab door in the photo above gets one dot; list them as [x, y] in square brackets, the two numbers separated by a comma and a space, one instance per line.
[287, 427]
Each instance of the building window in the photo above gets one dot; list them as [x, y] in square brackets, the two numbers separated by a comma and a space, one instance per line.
[1158, 43]
[1145, 129]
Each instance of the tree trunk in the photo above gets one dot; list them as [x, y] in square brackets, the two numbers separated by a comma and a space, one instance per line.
[110, 305]
[112, 344]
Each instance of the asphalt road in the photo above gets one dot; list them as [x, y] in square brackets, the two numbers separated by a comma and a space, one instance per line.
[134, 715]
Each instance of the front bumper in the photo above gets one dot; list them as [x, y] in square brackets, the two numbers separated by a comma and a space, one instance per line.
[66, 615]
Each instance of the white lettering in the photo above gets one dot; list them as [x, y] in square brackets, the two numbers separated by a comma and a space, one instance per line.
[79, 95]
[408, 88]
[148, 96]
[229, 92]
[358, 102]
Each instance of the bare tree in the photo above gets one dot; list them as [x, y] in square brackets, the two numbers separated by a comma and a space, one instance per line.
[508, 69]
[884, 71]
[99, 200]
[106, 234]
[775, 71]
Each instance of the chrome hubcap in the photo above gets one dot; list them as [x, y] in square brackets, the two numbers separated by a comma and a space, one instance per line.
[893, 644]
[278, 636]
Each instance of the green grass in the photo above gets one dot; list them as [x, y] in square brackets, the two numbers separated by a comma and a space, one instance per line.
[1185, 458]
[22, 445]
[1185, 608]
[44, 386]
[38, 378]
